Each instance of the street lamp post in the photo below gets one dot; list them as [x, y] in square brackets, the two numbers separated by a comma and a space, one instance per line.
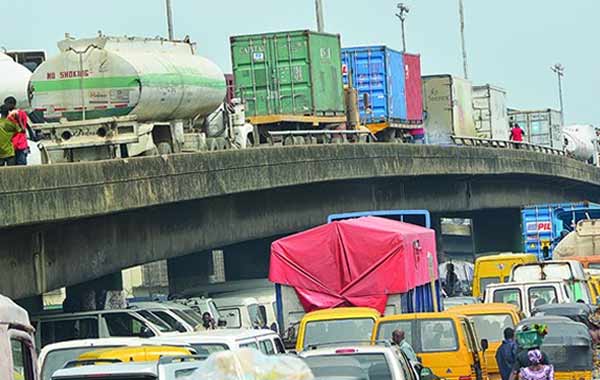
[169, 19]
[560, 72]
[461, 12]
[320, 20]
[402, 11]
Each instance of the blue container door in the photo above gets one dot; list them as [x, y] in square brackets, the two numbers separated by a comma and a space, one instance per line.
[368, 69]
[538, 230]
[396, 79]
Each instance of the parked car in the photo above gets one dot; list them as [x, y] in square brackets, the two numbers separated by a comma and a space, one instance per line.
[208, 342]
[54, 356]
[356, 362]
[203, 305]
[61, 327]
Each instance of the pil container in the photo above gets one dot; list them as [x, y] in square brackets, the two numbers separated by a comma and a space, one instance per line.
[296, 73]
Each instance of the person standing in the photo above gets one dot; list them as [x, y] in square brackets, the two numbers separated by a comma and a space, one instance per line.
[19, 140]
[7, 130]
[516, 133]
[398, 338]
[536, 369]
[507, 353]
[525, 346]
[451, 280]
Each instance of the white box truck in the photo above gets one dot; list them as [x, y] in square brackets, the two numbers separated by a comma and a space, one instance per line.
[448, 108]
[490, 111]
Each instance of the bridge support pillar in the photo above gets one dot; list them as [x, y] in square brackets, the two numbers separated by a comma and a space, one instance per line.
[91, 295]
[248, 260]
[188, 271]
[497, 230]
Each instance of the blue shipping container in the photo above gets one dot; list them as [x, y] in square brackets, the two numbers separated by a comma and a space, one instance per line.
[378, 75]
[542, 225]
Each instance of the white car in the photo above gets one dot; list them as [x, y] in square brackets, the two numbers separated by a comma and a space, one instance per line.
[359, 362]
[167, 368]
[180, 317]
[55, 356]
[211, 341]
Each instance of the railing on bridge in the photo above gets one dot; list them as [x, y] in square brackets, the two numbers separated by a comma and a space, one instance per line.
[322, 136]
[504, 144]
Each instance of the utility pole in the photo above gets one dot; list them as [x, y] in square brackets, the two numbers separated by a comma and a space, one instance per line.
[461, 12]
[320, 20]
[560, 72]
[169, 20]
[402, 11]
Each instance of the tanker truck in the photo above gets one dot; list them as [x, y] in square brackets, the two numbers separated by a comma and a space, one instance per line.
[581, 142]
[108, 97]
[14, 79]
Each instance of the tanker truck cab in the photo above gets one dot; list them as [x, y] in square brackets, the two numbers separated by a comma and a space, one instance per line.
[446, 342]
[569, 271]
[526, 296]
[17, 347]
[344, 324]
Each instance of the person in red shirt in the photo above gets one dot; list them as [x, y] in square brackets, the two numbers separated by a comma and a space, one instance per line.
[516, 133]
[19, 140]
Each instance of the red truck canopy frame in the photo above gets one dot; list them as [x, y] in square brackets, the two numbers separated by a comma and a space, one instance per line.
[355, 262]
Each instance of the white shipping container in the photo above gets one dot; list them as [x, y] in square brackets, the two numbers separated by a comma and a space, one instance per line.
[541, 127]
[448, 106]
[491, 114]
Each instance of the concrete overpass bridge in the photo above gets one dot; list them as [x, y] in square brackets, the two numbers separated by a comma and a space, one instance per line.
[67, 224]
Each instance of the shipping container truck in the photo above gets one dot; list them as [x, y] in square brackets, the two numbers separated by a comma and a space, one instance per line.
[491, 114]
[302, 285]
[541, 127]
[448, 108]
[543, 226]
[389, 86]
[287, 79]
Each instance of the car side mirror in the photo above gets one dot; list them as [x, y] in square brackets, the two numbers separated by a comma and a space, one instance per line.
[424, 371]
[222, 323]
[485, 345]
[145, 332]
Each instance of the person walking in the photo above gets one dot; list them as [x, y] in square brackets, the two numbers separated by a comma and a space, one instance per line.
[536, 370]
[516, 133]
[7, 130]
[398, 338]
[507, 353]
[525, 346]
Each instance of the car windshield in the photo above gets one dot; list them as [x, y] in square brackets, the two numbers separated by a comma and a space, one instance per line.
[491, 326]
[350, 366]
[207, 349]
[56, 360]
[156, 321]
[338, 330]
[181, 314]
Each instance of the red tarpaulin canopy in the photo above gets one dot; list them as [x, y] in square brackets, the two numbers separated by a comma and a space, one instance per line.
[355, 262]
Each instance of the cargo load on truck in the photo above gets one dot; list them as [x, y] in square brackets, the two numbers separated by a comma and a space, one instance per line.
[491, 114]
[389, 86]
[583, 242]
[545, 225]
[289, 78]
[364, 262]
[448, 107]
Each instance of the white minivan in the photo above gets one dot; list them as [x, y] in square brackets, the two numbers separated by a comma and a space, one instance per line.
[211, 341]
[528, 295]
[241, 312]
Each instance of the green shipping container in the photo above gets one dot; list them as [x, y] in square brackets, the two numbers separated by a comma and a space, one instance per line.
[289, 73]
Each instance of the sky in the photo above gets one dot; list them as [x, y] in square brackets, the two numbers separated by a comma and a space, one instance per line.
[510, 43]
